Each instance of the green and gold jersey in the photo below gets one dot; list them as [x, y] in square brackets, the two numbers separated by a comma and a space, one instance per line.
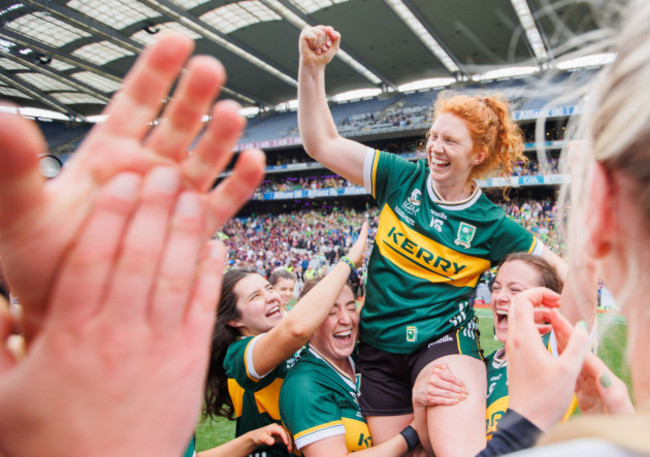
[254, 396]
[319, 401]
[497, 378]
[428, 254]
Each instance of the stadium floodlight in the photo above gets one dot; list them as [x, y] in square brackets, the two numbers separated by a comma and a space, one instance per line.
[594, 60]
[97, 119]
[310, 6]
[35, 113]
[528, 23]
[508, 72]
[426, 84]
[423, 35]
[249, 111]
[289, 105]
[356, 94]
[300, 23]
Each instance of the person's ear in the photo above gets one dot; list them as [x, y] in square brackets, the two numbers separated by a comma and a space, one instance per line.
[479, 156]
[235, 323]
[600, 218]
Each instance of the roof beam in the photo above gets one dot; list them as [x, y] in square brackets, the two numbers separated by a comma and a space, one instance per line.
[95, 28]
[53, 52]
[59, 76]
[422, 29]
[300, 21]
[39, 95]
[85, 23]
[176, 13]
[533, 36]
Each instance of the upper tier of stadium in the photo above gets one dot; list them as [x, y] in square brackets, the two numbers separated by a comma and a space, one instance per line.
[69, 56]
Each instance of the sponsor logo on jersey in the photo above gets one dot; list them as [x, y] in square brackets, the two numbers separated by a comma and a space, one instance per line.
[411, 334]
[465, 235]
[420, 256]
[412, 204]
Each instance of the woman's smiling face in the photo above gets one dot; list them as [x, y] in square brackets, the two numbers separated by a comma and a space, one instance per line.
[258, 304]
[512, 278]
[450, 151]
[337, 335]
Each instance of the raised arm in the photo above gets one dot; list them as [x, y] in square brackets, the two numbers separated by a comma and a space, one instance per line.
[306, 316]
[320, 138]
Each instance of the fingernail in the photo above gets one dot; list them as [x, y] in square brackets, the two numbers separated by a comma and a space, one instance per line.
[125, 186]
[188, 204]
[165, 179]
[582, 325]
[605, 381]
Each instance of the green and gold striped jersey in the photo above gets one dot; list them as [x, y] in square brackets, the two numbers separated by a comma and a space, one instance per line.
[254, 396]
[320, 401]
[498, 399]
[428, 254]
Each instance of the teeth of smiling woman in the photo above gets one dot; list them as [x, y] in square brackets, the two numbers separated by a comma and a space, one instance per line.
[439, 162]
[343, 334]
[273, 310]
[502, 312]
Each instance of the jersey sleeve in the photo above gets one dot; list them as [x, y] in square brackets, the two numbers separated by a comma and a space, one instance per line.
[383, 172]
[238, 363]
[309, 411]
[512, 237]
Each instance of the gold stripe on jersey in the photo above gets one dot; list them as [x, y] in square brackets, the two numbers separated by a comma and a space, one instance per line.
[316, 429]
[494, 413]
[268, 399]
[424, 258]
[357, 435]
[237, 395]
[375, 161]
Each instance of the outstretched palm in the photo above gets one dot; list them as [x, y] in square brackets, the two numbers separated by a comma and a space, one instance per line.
[39, 221]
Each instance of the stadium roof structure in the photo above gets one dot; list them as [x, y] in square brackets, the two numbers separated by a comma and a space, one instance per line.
[71, 55]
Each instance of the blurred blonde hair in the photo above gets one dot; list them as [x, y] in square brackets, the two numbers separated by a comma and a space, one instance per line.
[617, 132]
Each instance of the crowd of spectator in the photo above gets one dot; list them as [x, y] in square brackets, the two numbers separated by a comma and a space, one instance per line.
[303, 183]
[289, 183]
[307, 243]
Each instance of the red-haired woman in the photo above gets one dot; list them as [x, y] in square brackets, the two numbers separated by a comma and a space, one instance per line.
[437, 234]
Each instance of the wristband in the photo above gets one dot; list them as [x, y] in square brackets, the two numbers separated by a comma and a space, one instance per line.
[350, 263]
[411, 437]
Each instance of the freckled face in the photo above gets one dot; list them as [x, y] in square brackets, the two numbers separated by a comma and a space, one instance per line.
[512, 278]
[450, 151]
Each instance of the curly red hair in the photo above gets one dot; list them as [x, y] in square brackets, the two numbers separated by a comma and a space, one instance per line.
[490, 126]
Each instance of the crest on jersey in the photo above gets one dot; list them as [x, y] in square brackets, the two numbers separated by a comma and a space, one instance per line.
[414, 199]
[465, 235]
[412, 204]
[411, 334]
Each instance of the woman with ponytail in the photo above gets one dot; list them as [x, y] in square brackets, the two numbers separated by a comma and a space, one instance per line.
[437, 234]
